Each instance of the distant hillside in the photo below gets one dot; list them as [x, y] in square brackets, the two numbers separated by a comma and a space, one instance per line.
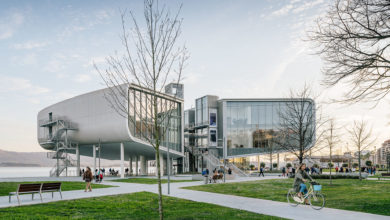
[39, 159]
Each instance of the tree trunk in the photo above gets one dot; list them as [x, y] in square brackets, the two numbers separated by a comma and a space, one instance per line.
[360, 168]
[270, 160]
[160, 203]
[330, 167]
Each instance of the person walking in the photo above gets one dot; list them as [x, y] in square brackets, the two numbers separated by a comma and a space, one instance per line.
[261, 171]
[284, 172]
[88, 178]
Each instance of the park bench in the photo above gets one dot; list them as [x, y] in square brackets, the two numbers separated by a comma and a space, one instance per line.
[383, 175]
[51, 187]
[217, 177]
[30, 188]
[33, 188]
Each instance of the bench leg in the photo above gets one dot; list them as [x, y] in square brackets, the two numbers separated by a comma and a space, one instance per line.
[9, 199]
[52, 194]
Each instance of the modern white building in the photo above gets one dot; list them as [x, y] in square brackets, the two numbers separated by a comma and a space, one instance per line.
[89, 125]
[215, 130]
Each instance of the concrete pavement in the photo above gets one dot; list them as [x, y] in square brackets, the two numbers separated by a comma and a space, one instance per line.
[260, 206]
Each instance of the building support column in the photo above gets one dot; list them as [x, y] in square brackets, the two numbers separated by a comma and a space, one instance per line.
[258, 163]
[278, 161]
[136, 165]
[143, 165]
[122, 160]
[130, 166]
[78, 160]
[146, 167]
[94, 159]
[165, 166]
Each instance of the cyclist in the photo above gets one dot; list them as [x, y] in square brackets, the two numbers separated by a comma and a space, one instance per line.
[301, 177]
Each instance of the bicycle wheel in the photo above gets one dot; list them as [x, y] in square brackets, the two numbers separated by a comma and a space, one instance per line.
[290, 197]
[317, 201]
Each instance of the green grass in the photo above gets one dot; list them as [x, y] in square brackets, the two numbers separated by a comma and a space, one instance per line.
[380, 176]
[365, 196]
[328, 170]
[149, 180]
[6, 187]
[142, 205]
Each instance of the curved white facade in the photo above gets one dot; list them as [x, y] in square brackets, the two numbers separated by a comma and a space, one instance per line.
[95, 121]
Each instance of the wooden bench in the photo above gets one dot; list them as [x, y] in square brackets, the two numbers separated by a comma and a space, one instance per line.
[31, 188]
[51, 187]
[383, 176]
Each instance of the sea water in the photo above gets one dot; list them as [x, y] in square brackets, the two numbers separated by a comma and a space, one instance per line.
[8, 172]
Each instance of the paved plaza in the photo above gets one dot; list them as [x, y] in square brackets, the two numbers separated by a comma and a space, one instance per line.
[260, 206]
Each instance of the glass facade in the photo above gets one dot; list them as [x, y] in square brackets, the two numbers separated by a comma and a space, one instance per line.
[251, 126]
[142, 117]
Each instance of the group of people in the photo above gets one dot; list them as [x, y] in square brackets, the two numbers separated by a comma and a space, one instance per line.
[345, 170]
[216, 174]
[88, 177]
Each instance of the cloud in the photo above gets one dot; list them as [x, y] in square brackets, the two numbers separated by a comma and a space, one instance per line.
[16, 84]
[296, 6]
[283, 11]
[10, 24]
[29, 45]
[95, 60]
[307, 5]
[82, 78]
[54, 66]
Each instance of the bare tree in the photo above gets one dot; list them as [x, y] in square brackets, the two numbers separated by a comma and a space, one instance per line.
[353, 38]
[331, 137]
[151, 60]
[298, 124]
[361, 138]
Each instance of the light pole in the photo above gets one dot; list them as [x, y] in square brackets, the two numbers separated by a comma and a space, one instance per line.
[168, 169]
[99, 154]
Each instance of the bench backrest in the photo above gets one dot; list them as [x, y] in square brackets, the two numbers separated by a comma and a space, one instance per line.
[30, 187]
[51, 186]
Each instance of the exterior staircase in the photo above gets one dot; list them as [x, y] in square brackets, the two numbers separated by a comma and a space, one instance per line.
[58, 141]
[237, 170]
[213, 162]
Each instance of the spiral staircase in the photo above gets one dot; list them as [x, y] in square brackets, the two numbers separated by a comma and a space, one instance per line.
[56, 138]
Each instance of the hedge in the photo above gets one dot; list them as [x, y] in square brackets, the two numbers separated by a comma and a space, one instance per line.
[326, 176]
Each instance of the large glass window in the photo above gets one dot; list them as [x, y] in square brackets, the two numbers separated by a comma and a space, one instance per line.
[251, 126]
[141, 118]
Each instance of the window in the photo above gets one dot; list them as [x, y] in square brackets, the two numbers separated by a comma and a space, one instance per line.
[213, 119]
[213, 137]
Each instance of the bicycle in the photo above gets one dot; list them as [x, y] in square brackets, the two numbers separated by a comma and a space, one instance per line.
[314, 195]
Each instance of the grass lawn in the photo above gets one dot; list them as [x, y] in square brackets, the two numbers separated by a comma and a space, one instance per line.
[142, 205]
[350, 194]
[149, 180]
[379, 175]
[6, 187]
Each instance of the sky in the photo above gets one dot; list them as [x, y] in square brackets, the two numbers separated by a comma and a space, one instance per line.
[238, 49]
